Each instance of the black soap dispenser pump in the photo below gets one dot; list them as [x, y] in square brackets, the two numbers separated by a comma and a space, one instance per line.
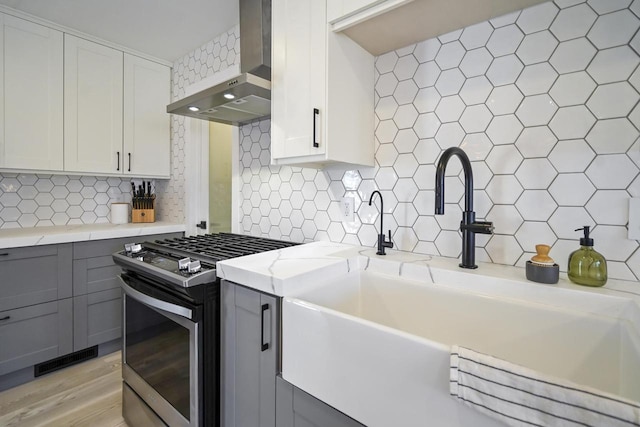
[586, 266]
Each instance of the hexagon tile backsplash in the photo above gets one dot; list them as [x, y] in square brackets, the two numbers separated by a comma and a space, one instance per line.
[545, 103]
[28, 200]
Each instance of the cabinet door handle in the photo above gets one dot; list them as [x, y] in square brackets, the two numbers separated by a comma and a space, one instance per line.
[263, 345]
[316, 113]
[5, 318]
[129, 170]
[4, 254]
[118, 168]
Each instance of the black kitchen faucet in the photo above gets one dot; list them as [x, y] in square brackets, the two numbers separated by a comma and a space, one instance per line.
[382, 239]
[468, 226]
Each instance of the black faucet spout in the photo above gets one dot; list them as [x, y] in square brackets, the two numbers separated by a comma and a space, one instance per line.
[468, 226]
[382, 239]
[468, 178]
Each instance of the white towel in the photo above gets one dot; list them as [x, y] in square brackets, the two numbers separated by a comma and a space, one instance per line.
[523, 397]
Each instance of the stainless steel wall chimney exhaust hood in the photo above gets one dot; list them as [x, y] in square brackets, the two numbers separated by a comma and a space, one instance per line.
[245, 97]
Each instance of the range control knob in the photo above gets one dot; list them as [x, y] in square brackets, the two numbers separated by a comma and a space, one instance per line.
[183, 264]
[128, 246]
[194, 267]
[136, 248]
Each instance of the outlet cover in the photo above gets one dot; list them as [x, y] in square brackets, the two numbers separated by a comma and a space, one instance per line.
[634, 218]
[347, 208]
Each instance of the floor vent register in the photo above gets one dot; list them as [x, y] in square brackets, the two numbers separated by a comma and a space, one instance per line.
[65, 361]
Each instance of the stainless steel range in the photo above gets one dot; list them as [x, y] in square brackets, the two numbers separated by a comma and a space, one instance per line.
[171, 327]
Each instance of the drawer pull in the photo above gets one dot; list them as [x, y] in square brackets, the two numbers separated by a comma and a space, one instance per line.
[4, 254]
[263, 345]
[5, 318]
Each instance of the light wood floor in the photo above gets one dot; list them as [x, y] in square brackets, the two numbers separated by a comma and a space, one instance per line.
[89, 394]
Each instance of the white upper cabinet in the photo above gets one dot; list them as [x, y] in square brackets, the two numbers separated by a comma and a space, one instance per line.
[31, 98]
[146, 122]
[115, 119]
[322, 95]
[93, 83]
[298, 78]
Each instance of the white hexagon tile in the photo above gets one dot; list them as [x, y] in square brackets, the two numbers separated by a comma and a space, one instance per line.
[543, 100]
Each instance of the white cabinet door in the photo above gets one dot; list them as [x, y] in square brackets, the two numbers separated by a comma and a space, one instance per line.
[31, 96]
[322, 93]
[93, 107]
[298, 78]
[146, 121]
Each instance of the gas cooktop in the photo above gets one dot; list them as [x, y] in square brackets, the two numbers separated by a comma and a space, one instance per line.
[218, 247]
[191, 261]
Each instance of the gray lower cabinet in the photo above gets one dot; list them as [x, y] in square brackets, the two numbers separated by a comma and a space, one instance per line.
[97, 318]
[34, 275]
[35, 305]
[57, 299]
[295, 408]
[97, 299]
[33, 334]
[249, 365]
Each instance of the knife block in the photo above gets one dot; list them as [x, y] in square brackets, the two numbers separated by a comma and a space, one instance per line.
[143, 215]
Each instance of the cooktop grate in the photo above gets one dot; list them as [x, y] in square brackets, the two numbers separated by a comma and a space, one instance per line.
[222, 246]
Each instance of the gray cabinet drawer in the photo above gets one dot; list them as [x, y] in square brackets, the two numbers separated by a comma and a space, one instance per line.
[94, 275]
[34, 275]
[33, 334]
[97, 318]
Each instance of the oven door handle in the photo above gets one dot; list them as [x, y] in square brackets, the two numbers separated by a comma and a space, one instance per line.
[154, 302]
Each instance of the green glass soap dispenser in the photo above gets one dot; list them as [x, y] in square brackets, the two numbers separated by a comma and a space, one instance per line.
[586, 266]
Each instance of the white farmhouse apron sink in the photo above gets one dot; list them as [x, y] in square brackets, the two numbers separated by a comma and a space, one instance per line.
[375, 343]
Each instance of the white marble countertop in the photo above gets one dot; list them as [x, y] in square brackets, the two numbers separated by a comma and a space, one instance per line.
[21, 237]
[291, 271]
[283, 272]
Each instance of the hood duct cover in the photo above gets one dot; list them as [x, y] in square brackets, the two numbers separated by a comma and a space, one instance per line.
[246, 97]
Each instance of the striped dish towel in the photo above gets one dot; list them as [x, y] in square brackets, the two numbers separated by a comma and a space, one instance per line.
[522, 397]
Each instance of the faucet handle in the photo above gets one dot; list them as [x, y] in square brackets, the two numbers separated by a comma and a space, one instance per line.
[483, 227]
[389, 243]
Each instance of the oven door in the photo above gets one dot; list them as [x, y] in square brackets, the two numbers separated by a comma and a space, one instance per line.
[161, 351]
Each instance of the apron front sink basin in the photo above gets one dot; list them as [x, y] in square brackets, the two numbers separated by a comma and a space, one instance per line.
[376, 346]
